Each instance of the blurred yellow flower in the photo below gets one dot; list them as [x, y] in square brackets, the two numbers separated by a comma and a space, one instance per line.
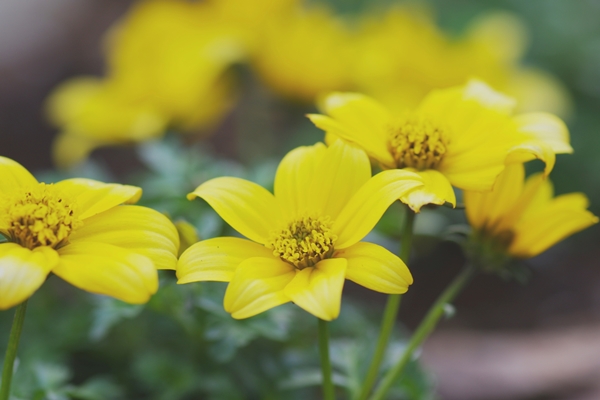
[167, 63]
[459, 136]
[305, 239]
[521, 217]
[77, 230]
[303, 54]
[402, 55]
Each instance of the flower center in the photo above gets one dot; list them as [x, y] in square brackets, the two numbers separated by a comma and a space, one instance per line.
[39, 217]
[304, 242]
[418, 143]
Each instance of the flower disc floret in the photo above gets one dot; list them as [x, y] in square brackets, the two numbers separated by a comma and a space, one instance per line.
[304, 242]
[40, 216]
[418, 143]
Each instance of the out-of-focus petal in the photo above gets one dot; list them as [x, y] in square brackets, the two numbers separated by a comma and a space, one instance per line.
[547, 128]
[376, 268]
[258, 285]
[488, 207]
[216, 259]
[564, 216]
[249, 208]
[318, 289]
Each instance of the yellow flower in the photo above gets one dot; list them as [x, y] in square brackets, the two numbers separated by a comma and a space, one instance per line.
[303, 54]
[77, 230]
[460, 136]
[403, 55]
[521, 217]
[167, 67]
[305, 239]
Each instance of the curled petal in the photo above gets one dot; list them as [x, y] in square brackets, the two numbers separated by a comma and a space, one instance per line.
[318, 289]
[436, 189]
[217, 259]
[546, 128]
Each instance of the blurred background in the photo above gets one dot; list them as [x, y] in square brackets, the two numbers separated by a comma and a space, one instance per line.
[507, 340]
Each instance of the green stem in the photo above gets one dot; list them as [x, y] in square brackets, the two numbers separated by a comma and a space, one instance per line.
[328, 392]
[11, 350]
[423, 330]
[391, 311]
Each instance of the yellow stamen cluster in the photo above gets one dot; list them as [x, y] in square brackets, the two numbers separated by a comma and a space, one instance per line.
[304, 242]
[39, 217]
[418, 143]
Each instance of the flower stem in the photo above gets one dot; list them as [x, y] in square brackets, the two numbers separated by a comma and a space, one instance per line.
[11, 350]
[423, 330]
[328, 392]
[391, 311]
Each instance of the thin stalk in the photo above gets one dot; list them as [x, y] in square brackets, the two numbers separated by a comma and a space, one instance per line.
[328, 390]
[423, 330]
[11, 350]
[391, 311]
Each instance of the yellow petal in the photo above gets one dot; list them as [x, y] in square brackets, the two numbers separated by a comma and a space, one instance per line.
[14, 176]
[530, 150]
[564, 216]
[343, 170]
[367, 206]
[257, 285]
[475, 171]
[358, 119]
[436, 189]
[109, 270]
[536, 194]
[376, 268]
[374, 147]
[482, 93]
[546, 128]
[357, 111]
[486, 208]
[249, 208]
[70, 149]
[294, 176]
[22, 272]
[318, 289]
[94, 197]
[216, 259]
[140, 229]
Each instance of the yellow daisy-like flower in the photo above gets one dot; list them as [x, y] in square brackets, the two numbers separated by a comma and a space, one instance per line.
[461, 137]
[77, 230]
[167, 67]
[305, 239]
[303, 54]
[521, 217]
